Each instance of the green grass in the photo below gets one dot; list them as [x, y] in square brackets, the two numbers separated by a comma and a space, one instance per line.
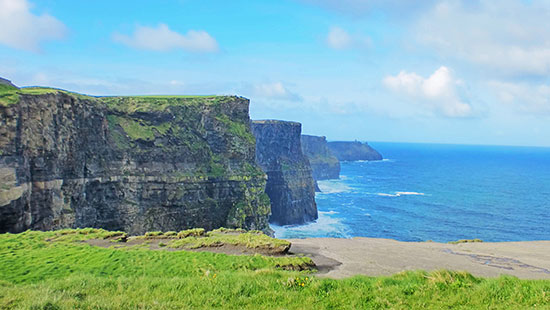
[132, 104]
[138, 129]
[250, 239]
[54, 270]
[10, 95]
[237, 129]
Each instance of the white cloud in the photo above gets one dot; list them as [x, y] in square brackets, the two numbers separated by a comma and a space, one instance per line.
[524, 97]
[21, 29]
[438, 92]
[508, 37]
[338, 38]
[276, 91]
[162, 38]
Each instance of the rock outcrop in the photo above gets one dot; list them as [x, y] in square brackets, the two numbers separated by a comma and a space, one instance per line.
[8, 83]
[135, 164]
[353, 150]
[324, 164]
[290, 185]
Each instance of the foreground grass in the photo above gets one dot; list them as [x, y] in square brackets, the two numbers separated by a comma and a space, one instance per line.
[252, 239]
[55, 270]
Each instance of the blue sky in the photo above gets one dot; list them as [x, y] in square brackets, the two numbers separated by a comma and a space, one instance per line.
[444, 71]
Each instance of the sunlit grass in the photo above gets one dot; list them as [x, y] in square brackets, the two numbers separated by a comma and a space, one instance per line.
[55, 270]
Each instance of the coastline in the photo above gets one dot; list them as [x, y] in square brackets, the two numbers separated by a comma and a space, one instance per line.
[342, 258]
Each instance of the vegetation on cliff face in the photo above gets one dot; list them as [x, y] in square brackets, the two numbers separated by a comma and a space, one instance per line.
[324, 164]
[133, 163]
[56, 270]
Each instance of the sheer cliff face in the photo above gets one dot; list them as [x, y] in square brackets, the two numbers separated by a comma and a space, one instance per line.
[353, 150]
[128, 163]
[323, 163]
[290, 185]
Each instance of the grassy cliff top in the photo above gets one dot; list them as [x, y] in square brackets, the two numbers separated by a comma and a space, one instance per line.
[9, 95]
[275, 121]
[130, 104]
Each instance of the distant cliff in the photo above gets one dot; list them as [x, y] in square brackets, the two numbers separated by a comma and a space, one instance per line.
[290, 185]
[323, 162]
[353, 150]
[127, 163]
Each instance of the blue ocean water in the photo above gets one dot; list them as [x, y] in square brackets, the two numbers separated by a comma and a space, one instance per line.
[436, 192]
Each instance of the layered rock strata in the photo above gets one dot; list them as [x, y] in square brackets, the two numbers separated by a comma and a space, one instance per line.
[135, 164]
[324, 164]
[290, 185]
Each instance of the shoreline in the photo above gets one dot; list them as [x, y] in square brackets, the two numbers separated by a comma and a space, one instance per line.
[342, 258]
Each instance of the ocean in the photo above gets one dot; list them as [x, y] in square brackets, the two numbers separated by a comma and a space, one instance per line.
[436, 192]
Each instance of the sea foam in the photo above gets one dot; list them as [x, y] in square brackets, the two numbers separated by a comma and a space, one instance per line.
[397, 194]
[325, 225]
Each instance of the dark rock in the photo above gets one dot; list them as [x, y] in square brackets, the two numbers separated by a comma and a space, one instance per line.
[290, 185]
[316, 185]
[323, 163]
[353, 150]
[135, 164]
[7, 83]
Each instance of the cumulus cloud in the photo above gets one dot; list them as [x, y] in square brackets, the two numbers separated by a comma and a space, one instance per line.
[524, 97]
[276, 91]
[508, 36]
[438, 92]
[21, 29]
[162, 38]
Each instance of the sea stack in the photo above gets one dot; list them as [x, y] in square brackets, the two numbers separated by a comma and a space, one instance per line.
[290, 184]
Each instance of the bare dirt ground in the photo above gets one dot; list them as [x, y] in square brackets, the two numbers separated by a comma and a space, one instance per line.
[340, 258]
[160, 244]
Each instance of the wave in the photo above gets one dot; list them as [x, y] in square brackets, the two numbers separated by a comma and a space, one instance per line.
[398, 194]
[385, 160]
[332, 187]
[329, 212]
[325, 226]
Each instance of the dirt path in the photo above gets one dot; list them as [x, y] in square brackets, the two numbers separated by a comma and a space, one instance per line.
[339, 258]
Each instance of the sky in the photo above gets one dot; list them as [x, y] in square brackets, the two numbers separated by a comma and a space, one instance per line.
[433, 71]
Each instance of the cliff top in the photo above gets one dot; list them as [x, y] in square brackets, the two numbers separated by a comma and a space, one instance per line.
[9, 94]
[4, 82]
[130, 104]
[276, 121]
[314, 137]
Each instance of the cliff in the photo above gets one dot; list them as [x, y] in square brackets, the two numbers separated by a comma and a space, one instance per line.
[290, 185]
[353, 150]
[323, 163]
[135, 164]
